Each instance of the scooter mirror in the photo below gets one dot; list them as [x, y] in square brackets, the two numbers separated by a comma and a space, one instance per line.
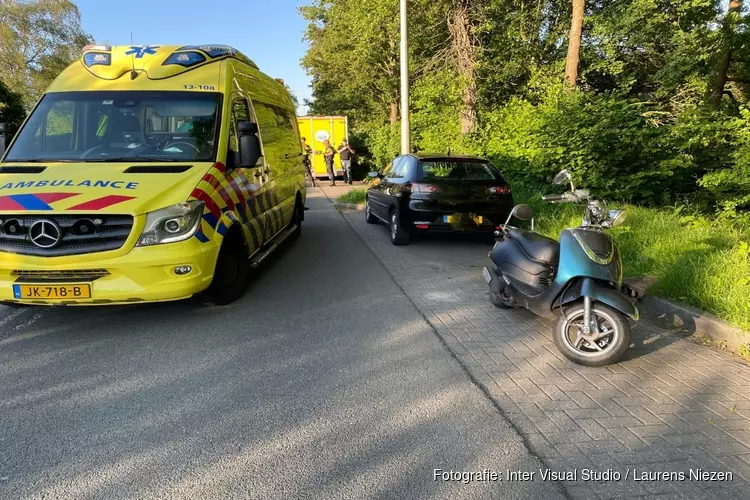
[523, 212]
[562, 178]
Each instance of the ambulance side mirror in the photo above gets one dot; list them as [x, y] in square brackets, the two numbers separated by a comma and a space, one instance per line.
[250, 150]
[3, 129]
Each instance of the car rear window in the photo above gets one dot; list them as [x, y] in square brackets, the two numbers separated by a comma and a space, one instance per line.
[458, 170]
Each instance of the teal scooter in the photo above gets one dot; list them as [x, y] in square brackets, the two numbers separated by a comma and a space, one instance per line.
[577, 281]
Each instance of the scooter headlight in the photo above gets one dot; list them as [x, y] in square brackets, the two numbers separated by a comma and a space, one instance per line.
[616, 218]
[172, 224]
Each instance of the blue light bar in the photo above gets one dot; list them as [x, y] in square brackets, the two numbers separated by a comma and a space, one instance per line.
[186, 59]
[212, 50]
[97, 58]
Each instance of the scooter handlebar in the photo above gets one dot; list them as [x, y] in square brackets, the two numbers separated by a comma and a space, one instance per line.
[554, 197]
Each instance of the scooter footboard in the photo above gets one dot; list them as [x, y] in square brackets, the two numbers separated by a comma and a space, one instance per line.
[602, 292]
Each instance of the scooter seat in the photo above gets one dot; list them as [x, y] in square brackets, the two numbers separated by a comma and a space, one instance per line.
[536, 246]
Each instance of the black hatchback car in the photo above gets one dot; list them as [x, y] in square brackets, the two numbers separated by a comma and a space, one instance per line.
[432, 193]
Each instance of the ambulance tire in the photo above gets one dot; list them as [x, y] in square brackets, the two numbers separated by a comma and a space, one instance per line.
[298, 217]
[232, 271]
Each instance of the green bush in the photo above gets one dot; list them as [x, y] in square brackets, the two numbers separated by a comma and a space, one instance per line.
[355, 196]
[609, 142]
[730, 186]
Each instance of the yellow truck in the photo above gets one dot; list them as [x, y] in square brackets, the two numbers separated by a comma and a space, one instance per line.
[149, 173]
[317, 130]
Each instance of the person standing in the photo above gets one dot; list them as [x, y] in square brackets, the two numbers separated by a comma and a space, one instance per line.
[328, 155]
[306, 152]
[346, 154]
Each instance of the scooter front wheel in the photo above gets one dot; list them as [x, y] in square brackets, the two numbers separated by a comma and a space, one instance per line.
[602, 347]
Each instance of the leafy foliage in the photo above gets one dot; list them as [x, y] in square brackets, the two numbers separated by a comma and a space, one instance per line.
[38, 39]
[11, 109]
[639, 127]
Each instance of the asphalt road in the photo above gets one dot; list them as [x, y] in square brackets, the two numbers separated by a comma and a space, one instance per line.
[323, 382]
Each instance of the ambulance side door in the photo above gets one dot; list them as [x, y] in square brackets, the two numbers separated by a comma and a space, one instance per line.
[248, 183]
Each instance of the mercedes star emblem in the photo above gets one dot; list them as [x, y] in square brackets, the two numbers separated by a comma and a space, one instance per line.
[45, 233]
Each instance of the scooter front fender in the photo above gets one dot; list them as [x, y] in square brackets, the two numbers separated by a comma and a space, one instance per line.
[587, 287]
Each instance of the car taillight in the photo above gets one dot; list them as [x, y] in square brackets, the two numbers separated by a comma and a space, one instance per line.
[422, 226]
[427, 188]
[499, 189]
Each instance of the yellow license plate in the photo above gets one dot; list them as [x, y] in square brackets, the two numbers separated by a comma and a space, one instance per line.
[44, 292]
[449, 219]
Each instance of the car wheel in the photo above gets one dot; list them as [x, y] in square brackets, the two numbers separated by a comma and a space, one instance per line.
[369, 217]
[396, 231]
[232, 271]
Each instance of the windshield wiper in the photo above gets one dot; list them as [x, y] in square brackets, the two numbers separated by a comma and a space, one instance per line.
[132, 159]
[40, 160]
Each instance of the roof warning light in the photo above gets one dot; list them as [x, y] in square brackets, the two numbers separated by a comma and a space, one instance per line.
[97, 58]
[186, 59]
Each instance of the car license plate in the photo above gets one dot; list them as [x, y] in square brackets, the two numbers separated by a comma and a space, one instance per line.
[41, 292]
[449, 219]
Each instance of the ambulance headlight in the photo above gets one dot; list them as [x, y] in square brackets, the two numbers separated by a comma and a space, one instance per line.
[172, 224]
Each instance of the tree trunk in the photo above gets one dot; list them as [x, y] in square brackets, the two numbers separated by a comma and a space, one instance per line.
[574, 45]
[717, 92]
[394, 113]
[465, 52]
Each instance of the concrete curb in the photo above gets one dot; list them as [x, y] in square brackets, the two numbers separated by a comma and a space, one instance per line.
[693, 321]
[349, 206]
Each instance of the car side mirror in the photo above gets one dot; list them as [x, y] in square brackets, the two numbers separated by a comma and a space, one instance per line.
[250, 150]
[374, 175]
[3, 129]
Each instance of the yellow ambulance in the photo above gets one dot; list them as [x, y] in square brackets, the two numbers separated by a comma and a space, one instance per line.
[149, 173]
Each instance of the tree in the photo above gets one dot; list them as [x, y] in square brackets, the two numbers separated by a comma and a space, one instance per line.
[38, 38]
[354, 53]
[465, 51]
[574, 43]
[728, 30]
[11, 109]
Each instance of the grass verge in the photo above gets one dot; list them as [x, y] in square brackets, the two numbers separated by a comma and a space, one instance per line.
[695, 260]
[355, 196]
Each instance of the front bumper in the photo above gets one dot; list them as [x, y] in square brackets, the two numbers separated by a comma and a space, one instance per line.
[145, 274]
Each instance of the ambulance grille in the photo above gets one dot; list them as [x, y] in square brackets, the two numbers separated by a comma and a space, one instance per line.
[68, 276]
[158, 169]
[22, 170]
[79, 234]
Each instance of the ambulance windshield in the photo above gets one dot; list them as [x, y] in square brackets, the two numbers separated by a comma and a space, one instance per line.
[117, 126]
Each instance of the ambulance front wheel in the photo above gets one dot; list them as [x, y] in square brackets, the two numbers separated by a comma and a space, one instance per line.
[232, 270]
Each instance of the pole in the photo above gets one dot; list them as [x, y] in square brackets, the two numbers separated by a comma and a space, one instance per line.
[405, 122]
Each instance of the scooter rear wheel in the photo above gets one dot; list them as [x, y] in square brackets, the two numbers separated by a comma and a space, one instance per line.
[602, 348]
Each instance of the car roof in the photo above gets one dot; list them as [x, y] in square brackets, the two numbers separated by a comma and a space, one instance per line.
[449, 157]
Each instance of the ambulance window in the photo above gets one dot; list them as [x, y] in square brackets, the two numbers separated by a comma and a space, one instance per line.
[278, 130]
[239, 114]
[57, 130]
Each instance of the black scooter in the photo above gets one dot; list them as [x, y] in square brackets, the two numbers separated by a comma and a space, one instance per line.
[578, 281]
